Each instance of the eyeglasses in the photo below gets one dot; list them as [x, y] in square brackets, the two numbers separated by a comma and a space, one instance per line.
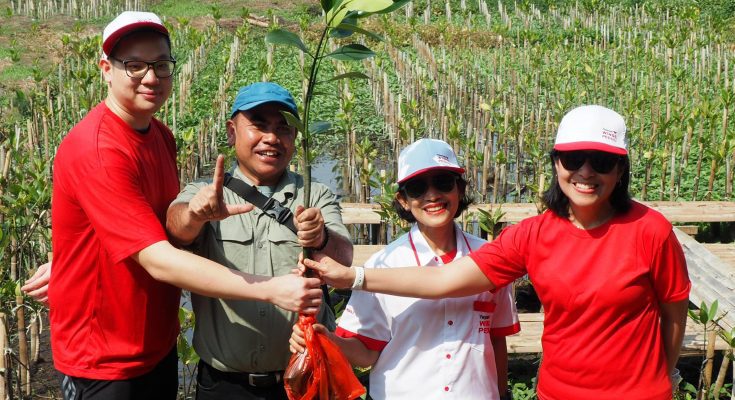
[138, 69]
[417, 187]
[600, 161]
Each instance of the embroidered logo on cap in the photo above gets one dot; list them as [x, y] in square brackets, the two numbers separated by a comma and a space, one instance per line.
[442, 159]
[610, 135]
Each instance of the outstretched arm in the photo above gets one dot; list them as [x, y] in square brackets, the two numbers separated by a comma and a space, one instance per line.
[459, 278]
[199, 275]
[184, 221]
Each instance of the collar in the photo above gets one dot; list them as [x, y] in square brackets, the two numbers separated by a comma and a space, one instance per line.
[285, 189]
[423, 253]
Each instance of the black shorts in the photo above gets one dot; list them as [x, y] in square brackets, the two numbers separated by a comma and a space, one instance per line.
[162, 383]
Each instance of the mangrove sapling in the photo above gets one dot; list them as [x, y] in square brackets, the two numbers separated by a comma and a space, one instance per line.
[341, 21]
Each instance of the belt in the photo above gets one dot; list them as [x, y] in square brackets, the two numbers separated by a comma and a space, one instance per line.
[254, 379]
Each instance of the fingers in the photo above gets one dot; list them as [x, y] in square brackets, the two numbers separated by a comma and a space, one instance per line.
[320, 328]
[311, 306]
[234, 209]
[297, 342]
[316, 266]
[310, 226]
[219, 176]
[313, 283]
[40, 295]
[39, 280]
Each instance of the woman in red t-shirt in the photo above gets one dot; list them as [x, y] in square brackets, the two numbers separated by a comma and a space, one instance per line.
[609, 272]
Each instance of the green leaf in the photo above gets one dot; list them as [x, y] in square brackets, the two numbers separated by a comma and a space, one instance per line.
[319, 127]
[282, 36]
[350, 75]
[352, 28]
[342, 30]
[396, 5]
[351, 52]
[363, 8]
[363, 13]
[713, 311]
[327, 5]
[293, 121]
[335, 18]
[371, 6]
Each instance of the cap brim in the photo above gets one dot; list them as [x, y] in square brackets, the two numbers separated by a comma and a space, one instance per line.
[590, 146]
[421, 171]
[112, 40]
[252, 105]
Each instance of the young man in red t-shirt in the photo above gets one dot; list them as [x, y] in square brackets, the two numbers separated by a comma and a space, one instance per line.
[114, 292]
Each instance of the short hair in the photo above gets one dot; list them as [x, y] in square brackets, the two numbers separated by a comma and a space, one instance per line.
[556, 201]
[464, 201]
[145, 30]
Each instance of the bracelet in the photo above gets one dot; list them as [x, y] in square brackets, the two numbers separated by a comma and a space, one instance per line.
[359, 278]
[326, 239]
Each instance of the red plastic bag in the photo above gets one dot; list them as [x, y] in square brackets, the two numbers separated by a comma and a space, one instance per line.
[321, 372]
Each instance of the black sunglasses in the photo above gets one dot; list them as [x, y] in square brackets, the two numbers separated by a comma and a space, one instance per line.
[417, 187]
[600, 161]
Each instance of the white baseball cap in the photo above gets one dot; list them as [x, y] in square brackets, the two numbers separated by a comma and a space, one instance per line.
[592, 128]
[127, 22]
[424, 155]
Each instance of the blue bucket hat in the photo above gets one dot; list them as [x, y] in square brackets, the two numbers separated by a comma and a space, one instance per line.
[253, 95]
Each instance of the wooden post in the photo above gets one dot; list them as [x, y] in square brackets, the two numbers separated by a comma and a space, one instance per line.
[23, 370]
[709, 361]
[3, 365]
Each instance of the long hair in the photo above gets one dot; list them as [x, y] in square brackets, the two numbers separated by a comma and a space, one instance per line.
[558, 202]
[464, 201]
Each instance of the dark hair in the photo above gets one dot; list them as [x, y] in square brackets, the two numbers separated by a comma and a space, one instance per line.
[464, 201]
[144, 30]
[558, 202]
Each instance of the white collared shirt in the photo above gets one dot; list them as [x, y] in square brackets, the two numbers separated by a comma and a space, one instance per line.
[431, 349]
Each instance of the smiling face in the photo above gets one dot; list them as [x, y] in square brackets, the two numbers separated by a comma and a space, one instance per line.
[135, 100]
[588, 191]
[434, 208]
[264, 143]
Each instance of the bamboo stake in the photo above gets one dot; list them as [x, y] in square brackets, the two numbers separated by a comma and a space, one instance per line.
[35, 329]
[4, 382]
[722, 373]
[24, 369]
[709, 361]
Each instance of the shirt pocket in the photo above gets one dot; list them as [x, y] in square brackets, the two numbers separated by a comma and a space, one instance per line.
[284, 249]
[232, 244]
[482, 321]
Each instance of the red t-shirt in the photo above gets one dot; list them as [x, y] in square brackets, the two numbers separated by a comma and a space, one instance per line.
[601, 290]
[112, 186]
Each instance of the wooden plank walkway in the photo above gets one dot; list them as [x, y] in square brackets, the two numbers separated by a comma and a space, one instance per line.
[675, 211]
[712, 277]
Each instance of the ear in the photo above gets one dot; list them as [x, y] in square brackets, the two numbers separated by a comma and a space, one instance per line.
[106, 68]
[231, 133]
[402, 200]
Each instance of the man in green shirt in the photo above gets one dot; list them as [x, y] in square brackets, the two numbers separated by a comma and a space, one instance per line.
[243, 345]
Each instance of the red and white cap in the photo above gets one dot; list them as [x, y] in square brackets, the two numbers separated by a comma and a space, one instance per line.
[592, 128]
[424, 155]
[127, 22]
